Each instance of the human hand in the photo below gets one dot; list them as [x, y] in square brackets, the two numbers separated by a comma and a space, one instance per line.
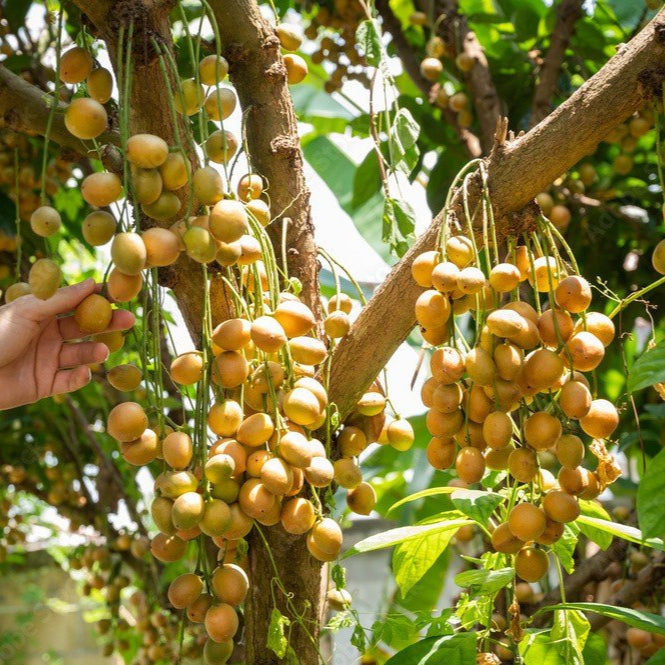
[38, 356]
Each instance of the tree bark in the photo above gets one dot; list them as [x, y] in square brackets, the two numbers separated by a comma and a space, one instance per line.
[517, 171]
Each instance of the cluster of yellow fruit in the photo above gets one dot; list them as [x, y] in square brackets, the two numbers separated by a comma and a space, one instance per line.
[519, 390]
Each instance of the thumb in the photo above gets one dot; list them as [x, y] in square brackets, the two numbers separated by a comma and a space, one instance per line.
[64, 300]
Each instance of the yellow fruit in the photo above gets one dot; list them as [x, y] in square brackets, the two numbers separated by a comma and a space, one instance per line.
[658, 258]
[250, 187]
[301, 406]
[16, 291]
[85, 118]
[101, 189]
[147, 150]
[93, 314]
[573, 294]
[545, 274]
[296, 68]
[128, 253]
[526, 521]
[123, 288]
[216, 517]
[187, 511]
[126, 421]
[422, 267]
[255, 430]
[431, 68]
[124, 377]
[542, 430]
[531, 564]
[224, 418]
[199, 244]
[45, 221]
[337, 324]
[98, 228]
[167, 548]
[187, 368]
[267, 334]
[207, 185]
[230, 583]
[325, 538]
[584, 350]
[221, 622]
[400, 434]
[599, 325]
[523, 465]
[432, 309]
[75, 65]
[220, 103]
[298, 516]
[100, 84]
[228, 220]
[147, 185]
[213, 69]
[177, 450]
[44, 278]
[221, 145]
[175, 171]
[290, 37]
[230, 369]
[164, 208]
[362, 499]
[560, 506]
[504, 541]
[600, 420]
[189, 99]
[470, 465]
[162, 247]
[295, 318]
[184, 590]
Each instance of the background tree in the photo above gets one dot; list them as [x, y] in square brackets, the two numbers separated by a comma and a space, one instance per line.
[588, 154]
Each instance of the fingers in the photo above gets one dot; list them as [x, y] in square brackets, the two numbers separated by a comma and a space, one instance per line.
[69, 380]
[121, 320]
[83, 353]
[64, 300]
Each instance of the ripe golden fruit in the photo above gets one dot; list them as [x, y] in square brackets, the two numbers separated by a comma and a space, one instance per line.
[431, 68]
[167, 548]
[444, 425]
[184, 590]
[320, 472]
[505, 322]
[257, 502]
[600, 420]
[523, 465]
[128, 252]
[124, 377]
[447, 365]
[553, 532]
[216, 517]
[219, 468]
[100, 84]
[147, 150]
[230, 369]
[255, 430]
[98, 228]
[85, 118]
[570, 451]
[555, 325]
[504, 277]
[250, 187]
[480, 366]
[177, 450]
[187, 511]
[221, 622]
[298, 516]
[347, 473]
[459, 102]
[224, 418]
[93, 314]
[162, 247]
[45, 221]
[340, 302]
[207, 185]
[470, 280]
[542, 430]
[174, 483]
[531, 564]
[351, 441]
[573, 294]
[371, 403]
[126, 421]
[230, 583]
[147, 185]
[16, 291]
[575, 399]
[301, 406]
[361, 499]
[187, 368]
[599, 325]
[337, 324]
[44, 278]
[101, 189]
[470, 464]
[220, 103]
[444, 277]
[175, 171]
[441, 453]
[542, 369]
[295, 318]
[459, 250]
[276, 476]
[422, 267]
[504, 541]
[325, 538]
[289, 36]
[123, 288]
[572, 481]
[308, 350]
[260, 210]
[221, 145]
[75, 65]
[296, 68]
[585, 351]
[526, 521]
[232, 334]
[545, 274]
[113, 340]
[142, 450]
[560, 506]
[267, 334]
[213, 69]
[190, 98]
[446, 397]
[160, 510]
[498, 430]
[228, 220]
[400, 434]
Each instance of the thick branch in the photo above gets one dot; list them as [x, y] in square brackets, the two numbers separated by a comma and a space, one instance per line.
[411, 66]
[517, 172]
[568, 12]
[24, 108]
[458, 36]
[257, 71]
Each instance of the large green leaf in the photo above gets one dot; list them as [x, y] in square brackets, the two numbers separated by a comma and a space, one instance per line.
[414, 557]
[367, 181]
[650, 507]
[457, 649]
[368, 37]
[403, 534]
[648, 369]
[624, 531]
[595, 650]
[475, 504]
[653, 623]
[657, 659]
[593, 509]
[485, 582]
[564, 548]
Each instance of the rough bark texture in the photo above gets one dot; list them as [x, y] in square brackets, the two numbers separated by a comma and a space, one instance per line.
[517, 171]
[407, 56]
[568, 12]
[257, 71]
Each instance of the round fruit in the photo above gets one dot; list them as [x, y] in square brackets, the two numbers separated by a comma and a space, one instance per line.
[308, 350]
[220, 467]
[101, 189]
[230, 369]
[326, 536]
[361, 499]
[17, 290]
[221, 145]
[177, 450]
[85, 118]
[570, 451]
[441, 453]
[351, 441]
[187, 511]
[224, 418]
[658, 257]
[213, 69]
[400, 434]
[337, 324]
[184, 590]
[147, 150]
[504, 541]
[340, 302]
[526, 521]
[124, 377]
[531, 564]
[126, 421]
[470, 464]
[190, 98]
[220, 103]
[523, 465]
[347, 473]
[221, 622]
[175, 171]
[267, 334]
[228, 220]
[431, 68]
[162, 247]
[575, 399]
[573, 294]
[216, 517]
[230, 583]
[290, 37]
[75, 65]
[164, 208]
[123, 288]
[44, 278]
[142, 450]
[167, 548]
[255, 430]
[301, 406]
[600, 420]
[498, 430]
[45, 221]
[296, 68]
[93, 314]
[207, 185]
[100, 84]
[542, 430]
[422, 267]
[504, 277]
[98, 228]
[147, 185]
[298, 516]
[599, 325]
[561, 506]
[542, 369]
[555, 325]
[187, 368]
[585, 351]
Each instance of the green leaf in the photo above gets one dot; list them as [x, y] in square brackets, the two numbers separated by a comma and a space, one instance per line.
[595, 650]
[564, 548]
[485, 582]
[653, 623]
[403, 534]
[650, 509]
[414, 557]
[570, 630]
[657, 659]
[399, 221]
[277, 641]
[648, 369]
[430, 491]
[15, 12]
[338, 576]
[457, 649]
[628, 533]
[402, 139]
[598, 536]
[368, 38]
[475, 504]
[538, 648]
[367, 180]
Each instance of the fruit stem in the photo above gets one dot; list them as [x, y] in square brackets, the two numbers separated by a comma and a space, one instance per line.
[635, 296]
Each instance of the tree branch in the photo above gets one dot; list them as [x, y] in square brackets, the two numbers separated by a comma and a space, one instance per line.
[567, 14]
[411, 66]
[455, 31]
[517, 172]
[257, 71]
[24, 108]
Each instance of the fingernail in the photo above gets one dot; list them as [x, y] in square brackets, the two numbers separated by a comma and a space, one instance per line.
[106, 353]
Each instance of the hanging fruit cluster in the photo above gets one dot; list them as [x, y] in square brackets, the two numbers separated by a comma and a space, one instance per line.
[518, 387]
